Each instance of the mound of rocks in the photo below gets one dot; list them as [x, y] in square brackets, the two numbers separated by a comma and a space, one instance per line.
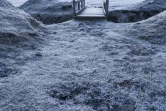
[48, 12]
[142, 11]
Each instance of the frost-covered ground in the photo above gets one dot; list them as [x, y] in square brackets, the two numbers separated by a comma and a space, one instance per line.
[86, 66]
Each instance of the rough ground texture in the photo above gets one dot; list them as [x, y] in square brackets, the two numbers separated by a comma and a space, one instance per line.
[141, 11]
[18, 31]
[88, 66]
[152, 30]
[49, 12]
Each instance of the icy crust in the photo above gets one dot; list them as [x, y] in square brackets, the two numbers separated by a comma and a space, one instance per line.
[49, 12]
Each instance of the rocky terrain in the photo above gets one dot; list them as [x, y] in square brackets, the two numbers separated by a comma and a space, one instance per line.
[88, 65]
